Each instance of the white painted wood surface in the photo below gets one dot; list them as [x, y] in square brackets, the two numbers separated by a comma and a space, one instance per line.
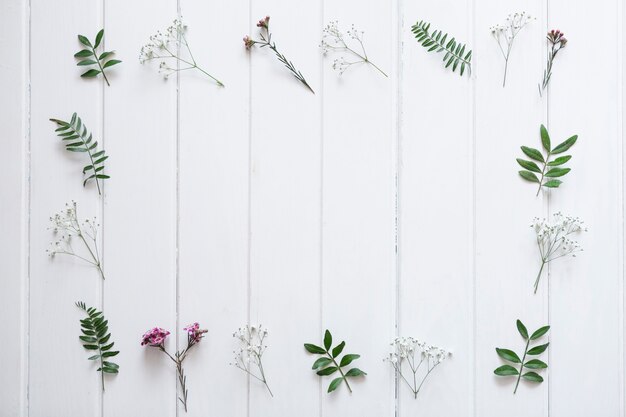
[377, 207]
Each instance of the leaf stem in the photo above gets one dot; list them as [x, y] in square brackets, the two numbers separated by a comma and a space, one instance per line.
[521, 369]
[93, 50]
[543, 172]
[343, 376]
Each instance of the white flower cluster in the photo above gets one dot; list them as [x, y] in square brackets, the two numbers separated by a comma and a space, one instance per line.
[335, 40]
[505, 34]
[407, 347]
[66, 227]
[164, 45]
[553, 238]
[250, 353]
[414, 353]
[513, 24]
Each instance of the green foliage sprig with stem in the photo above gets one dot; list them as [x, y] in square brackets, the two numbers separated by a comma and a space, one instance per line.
[89, 57]
[551, 169]
[437, 41]
[331, 363]
[167, 46]
[533, 364]
[78, 139]
[96, 337]
[266, 41]
[68, 227]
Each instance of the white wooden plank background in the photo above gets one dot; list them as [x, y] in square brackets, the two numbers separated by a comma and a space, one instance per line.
[376, 207]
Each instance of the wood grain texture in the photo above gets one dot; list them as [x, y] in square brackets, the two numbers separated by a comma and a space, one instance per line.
[435, 211]
[14, 209]
[375, 207]
[140, 212]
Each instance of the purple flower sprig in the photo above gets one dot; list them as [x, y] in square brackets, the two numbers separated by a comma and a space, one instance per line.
[156, 337]
[266, 41]
[557, 41]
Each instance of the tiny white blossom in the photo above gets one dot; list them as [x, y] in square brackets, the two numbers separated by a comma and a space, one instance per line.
[66, 226]
[505, 35]
[350, 42]
[249, 356]
[554, 238]
[411, 353]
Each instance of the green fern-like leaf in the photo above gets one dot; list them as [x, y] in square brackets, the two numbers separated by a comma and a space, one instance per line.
[89, 57]
[78, 139]
[95, 336]
[455, 55]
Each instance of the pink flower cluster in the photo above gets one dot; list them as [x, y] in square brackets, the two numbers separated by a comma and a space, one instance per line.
[556, 36]
[154, 337]
[194, 332]
[264, 23]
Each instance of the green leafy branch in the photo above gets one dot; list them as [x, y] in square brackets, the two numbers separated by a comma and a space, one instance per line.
[437, 41]
[90, 57]
[78, 139]
[550, 169]
[535, 364]
[96, 336]
[328, 364]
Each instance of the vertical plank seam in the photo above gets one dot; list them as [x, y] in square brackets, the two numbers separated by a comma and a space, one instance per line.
[103, 196]
[25, 309]
[249, 225]
[397, 21]
[620, 136]
[547, 209]
[321, 208]
[472, 226]
[177, 214]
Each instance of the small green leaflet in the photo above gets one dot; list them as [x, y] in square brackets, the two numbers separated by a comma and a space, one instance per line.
[96, 337]
[330, 363]
[88, 56]
[524, 362]
[455, 53]
[77, 138]
[542, 169]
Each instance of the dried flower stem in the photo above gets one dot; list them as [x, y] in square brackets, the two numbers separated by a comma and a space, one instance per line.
[266, 41]
[557, 41]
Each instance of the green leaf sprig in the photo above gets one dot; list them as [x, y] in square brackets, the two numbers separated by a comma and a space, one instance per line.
[78, 139]
[96, 337]
[330, 362]
[89, 57]
[437, 41]
[550, 169]
[534, 364]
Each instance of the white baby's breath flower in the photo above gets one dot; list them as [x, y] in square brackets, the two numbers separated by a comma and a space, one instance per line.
[554, 238]
[415, 358]
[249, 356]
[505, 34]
[335, 40]
[65, 227]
